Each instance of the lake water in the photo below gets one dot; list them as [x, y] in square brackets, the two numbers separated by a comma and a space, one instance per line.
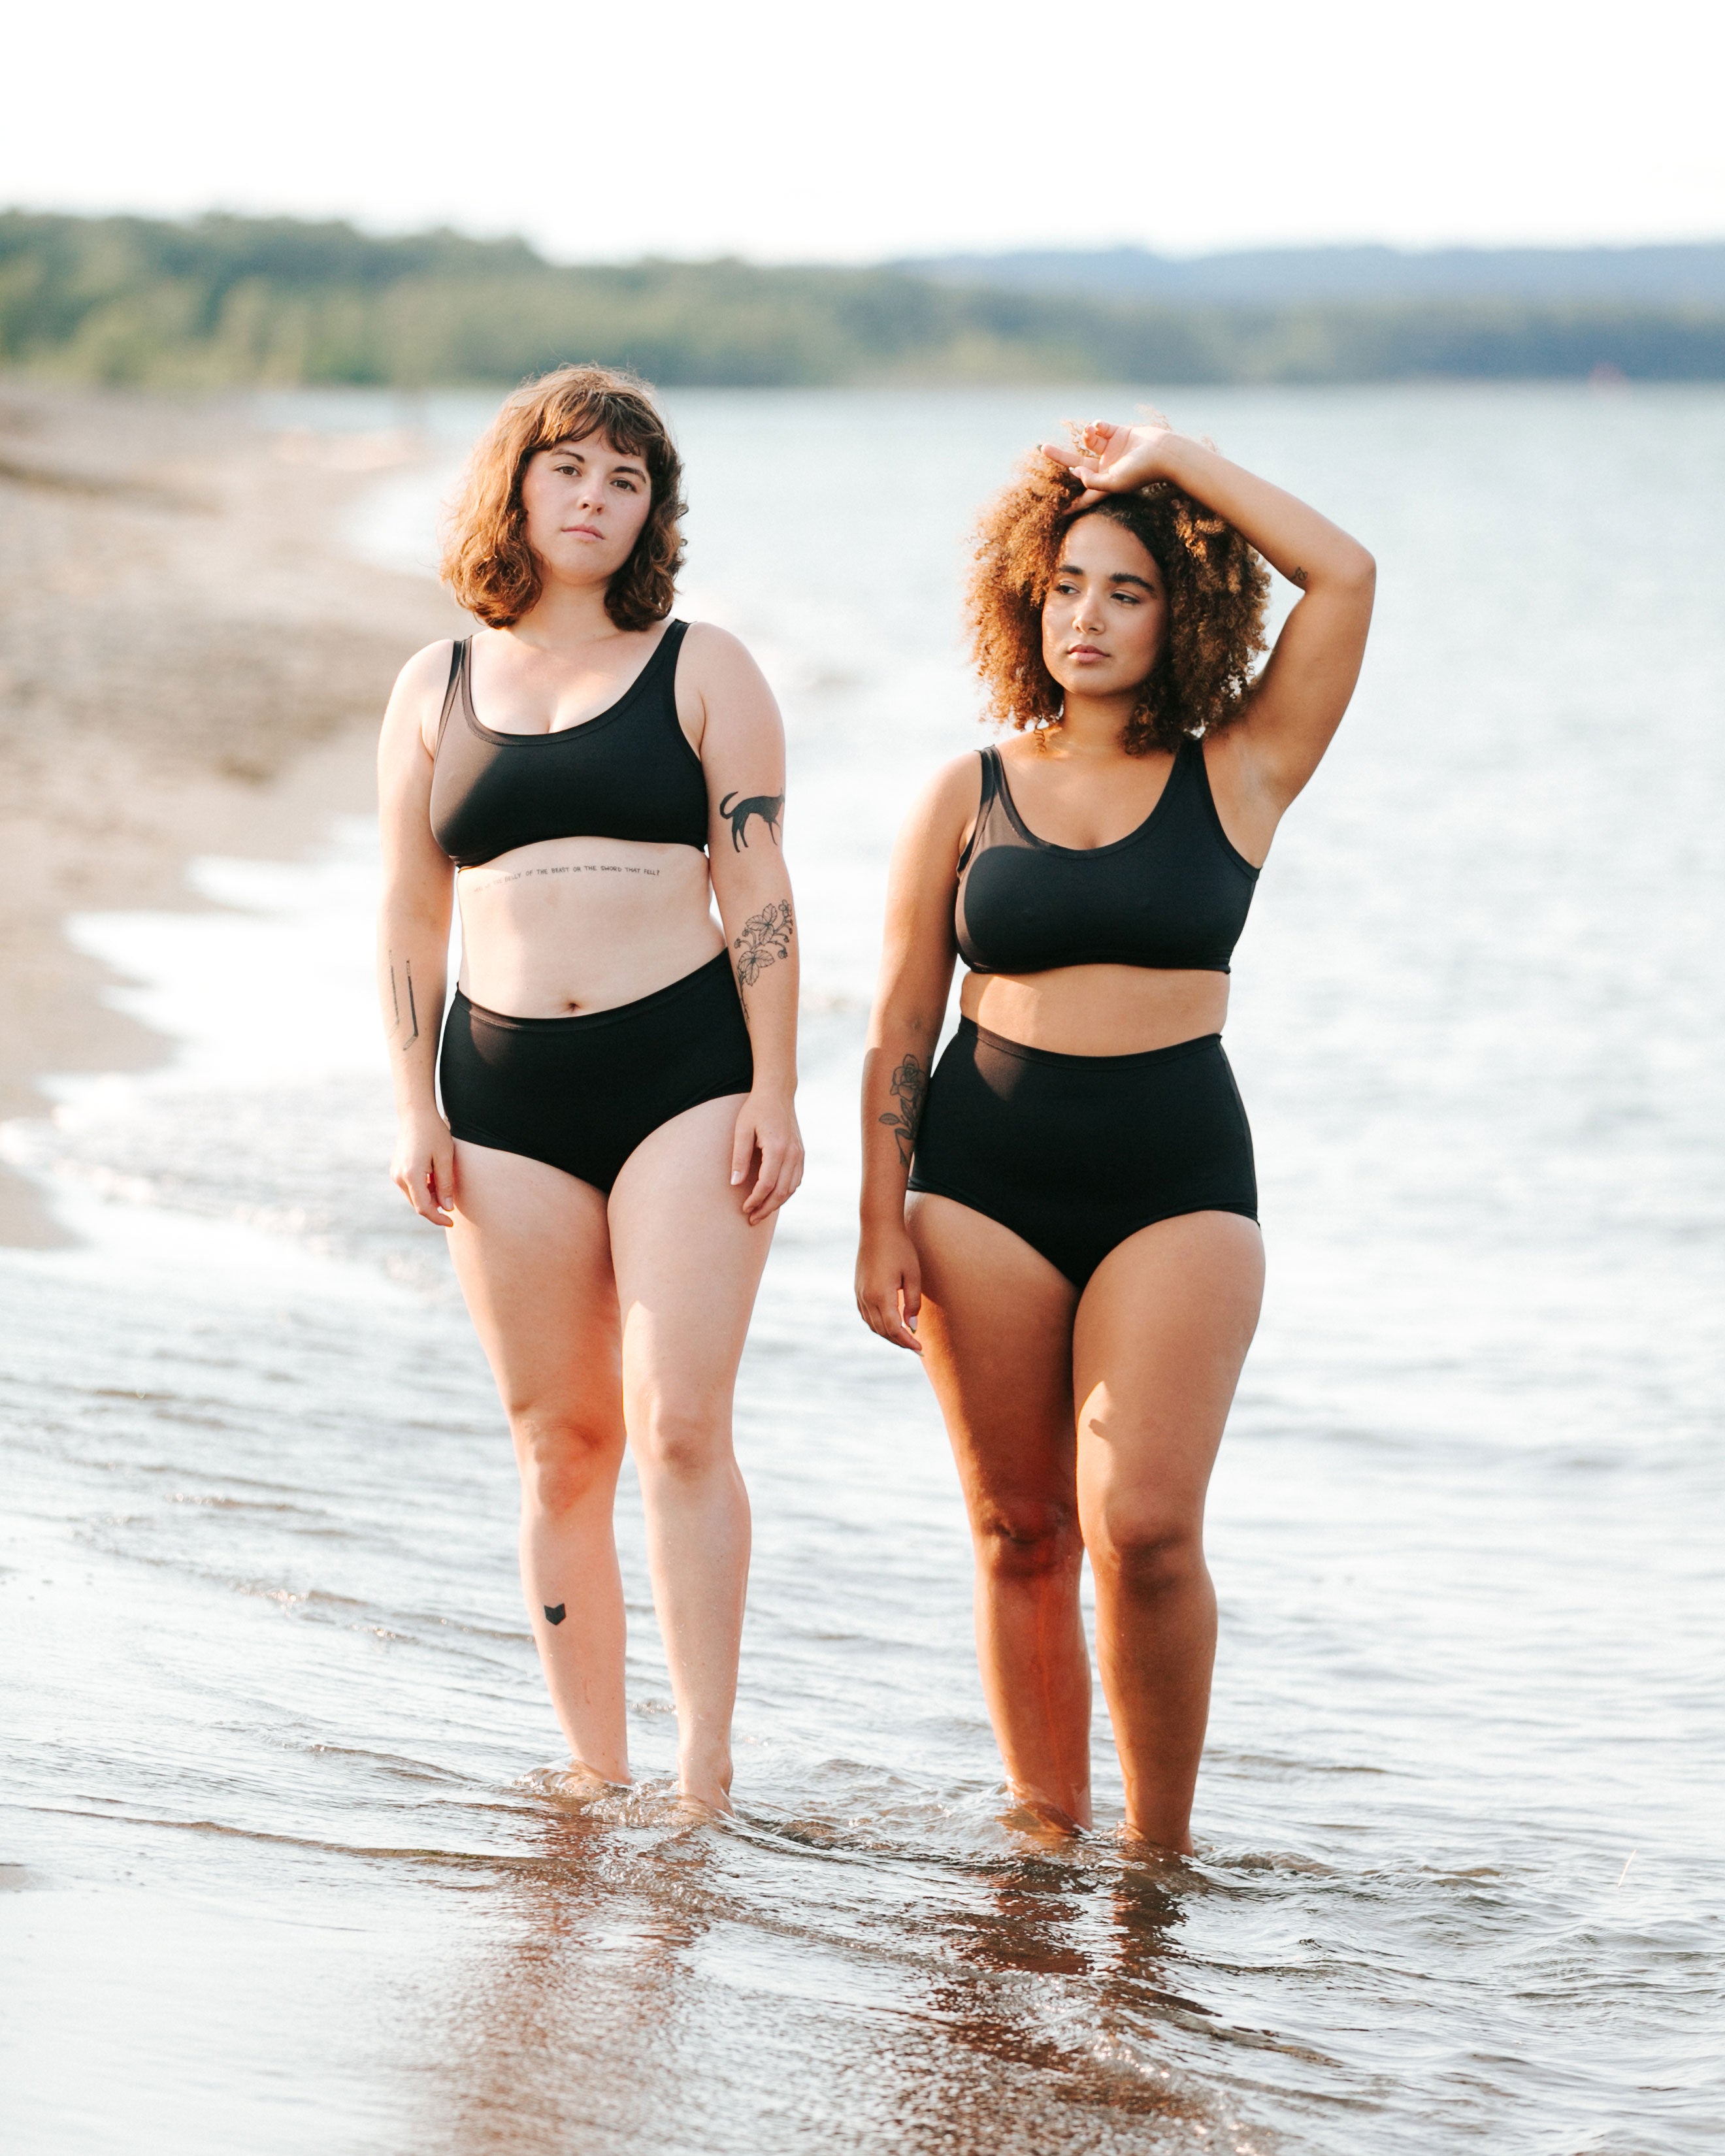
[291, 1868]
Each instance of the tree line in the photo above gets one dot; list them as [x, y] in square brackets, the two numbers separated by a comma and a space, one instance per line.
[225, 301]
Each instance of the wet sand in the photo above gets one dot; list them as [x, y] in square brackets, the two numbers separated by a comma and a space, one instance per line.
[190, 663]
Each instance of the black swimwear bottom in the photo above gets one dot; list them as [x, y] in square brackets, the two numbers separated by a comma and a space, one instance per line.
[1076, 1152]
[581, 1093]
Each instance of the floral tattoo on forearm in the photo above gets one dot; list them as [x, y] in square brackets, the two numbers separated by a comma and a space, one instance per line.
[766, 938]
[910, 1083]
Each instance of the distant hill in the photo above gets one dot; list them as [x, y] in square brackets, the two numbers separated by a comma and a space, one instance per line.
[1690, 274]
[229, 301]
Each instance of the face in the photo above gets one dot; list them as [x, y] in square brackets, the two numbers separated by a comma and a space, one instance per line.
[585, 505]
[1106, 611]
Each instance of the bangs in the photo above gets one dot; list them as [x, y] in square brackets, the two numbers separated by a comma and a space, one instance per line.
[574, 413]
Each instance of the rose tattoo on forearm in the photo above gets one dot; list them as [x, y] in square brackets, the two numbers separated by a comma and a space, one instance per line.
[909, 1083]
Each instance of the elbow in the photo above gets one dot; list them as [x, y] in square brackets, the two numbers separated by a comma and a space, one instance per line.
[413, 919]
[1357, 571]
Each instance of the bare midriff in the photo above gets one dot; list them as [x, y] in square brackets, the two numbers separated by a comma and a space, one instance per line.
[1097, 1010]
[574, 925]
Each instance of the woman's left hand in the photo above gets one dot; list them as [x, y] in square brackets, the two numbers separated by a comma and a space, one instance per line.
[1114, 459]
[767, 1144]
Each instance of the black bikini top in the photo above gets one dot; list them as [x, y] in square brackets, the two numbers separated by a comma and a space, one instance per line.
[1174, 893]
[629, 772]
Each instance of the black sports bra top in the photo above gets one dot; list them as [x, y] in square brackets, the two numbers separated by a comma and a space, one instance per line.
[1174, 893]
[629, 772]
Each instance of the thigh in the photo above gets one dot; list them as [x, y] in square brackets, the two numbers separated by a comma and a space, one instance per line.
[687, 1263]
[1161, 1334]
[996, 1329]
[532, 1251]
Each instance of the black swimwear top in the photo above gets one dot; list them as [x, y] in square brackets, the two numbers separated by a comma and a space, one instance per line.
[629, 772]
[1174, 893]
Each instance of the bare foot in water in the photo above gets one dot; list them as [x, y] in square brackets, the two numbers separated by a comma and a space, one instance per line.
[577, 1785]
[1044, 1822]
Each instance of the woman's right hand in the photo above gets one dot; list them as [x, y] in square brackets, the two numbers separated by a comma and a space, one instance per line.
[1109, 458]
[424, 1169]
[889, 1285]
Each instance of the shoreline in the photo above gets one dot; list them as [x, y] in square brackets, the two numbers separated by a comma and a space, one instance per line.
[190, 663]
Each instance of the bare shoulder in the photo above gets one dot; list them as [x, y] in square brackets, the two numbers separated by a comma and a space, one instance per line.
[957, 785]
[945, 809]
[427, 673]
[416, 699]
[713, 656]
[425, 677]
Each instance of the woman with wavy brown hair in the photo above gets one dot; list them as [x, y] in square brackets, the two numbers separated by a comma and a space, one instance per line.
[1077, 1257]
[616, 1133]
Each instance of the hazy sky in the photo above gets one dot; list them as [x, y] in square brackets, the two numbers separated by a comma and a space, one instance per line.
[795, 131]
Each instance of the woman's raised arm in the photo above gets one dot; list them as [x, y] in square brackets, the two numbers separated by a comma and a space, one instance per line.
[1302, 693]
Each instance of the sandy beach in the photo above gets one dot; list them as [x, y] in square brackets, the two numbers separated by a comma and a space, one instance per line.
[189, 663]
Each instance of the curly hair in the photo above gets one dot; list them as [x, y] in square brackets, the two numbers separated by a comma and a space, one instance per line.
[487, 562]
[1216, 588]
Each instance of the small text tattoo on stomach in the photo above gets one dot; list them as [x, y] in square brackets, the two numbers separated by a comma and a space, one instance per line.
[483, 882]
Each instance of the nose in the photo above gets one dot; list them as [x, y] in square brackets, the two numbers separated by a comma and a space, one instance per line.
[1086, 615]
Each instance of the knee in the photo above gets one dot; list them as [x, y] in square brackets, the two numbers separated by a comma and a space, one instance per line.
[562, 1457]
[1019, 1538]
[1150, 1551]
[677, 1441]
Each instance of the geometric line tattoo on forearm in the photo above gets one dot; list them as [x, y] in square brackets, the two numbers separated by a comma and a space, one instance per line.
[395, 998]
[766, 938]
[909, 1087]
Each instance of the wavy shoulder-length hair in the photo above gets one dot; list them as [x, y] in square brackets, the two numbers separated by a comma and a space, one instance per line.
[1216, 588]
[487, 562]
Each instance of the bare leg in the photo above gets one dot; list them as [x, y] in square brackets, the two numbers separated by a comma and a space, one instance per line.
[996, 1335]
[687, 1266]
[533, 1252]
[1161, 1332]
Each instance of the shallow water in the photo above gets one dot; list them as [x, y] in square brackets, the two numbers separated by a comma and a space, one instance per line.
[294, 1868]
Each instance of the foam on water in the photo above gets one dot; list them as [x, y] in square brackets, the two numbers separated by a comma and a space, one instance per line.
[279, 1773]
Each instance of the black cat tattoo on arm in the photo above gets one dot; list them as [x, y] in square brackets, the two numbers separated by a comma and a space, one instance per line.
[908, 1085]
[768, 807]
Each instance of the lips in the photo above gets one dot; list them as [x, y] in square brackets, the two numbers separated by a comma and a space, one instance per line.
[1085, 651]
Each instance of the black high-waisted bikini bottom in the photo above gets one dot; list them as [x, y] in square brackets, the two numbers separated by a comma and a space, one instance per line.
[581, 1093]
[1076, 1152]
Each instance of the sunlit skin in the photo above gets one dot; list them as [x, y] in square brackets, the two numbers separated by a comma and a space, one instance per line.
[1087, 1426]
[618, 1320]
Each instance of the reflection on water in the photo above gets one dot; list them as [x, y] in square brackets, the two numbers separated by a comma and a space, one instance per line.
[288, 1859]
[650, 1955]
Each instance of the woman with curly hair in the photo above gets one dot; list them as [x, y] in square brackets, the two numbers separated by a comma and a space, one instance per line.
[1078, 1258]
[616, 1133]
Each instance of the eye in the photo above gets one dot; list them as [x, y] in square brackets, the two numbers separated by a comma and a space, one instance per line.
[627, 483]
